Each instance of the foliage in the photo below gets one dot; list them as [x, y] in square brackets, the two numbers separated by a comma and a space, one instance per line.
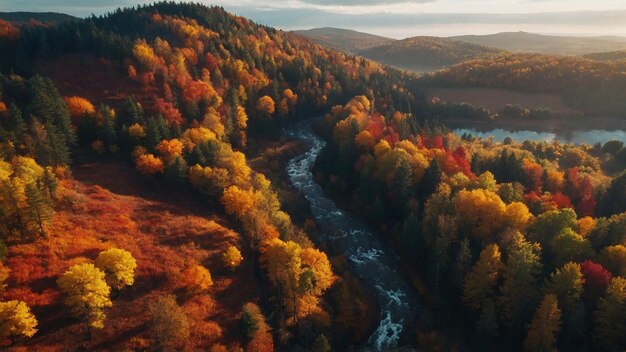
[119, 267]
[16, 320]
[86, 293]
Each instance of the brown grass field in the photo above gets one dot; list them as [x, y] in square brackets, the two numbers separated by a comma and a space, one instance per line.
[111, 205]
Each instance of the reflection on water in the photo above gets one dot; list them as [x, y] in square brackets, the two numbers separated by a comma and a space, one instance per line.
[566, 136]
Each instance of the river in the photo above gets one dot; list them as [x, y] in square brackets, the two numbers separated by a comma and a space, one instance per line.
[371, 260]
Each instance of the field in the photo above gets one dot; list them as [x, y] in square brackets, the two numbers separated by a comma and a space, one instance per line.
[495, 99]
[110, 205]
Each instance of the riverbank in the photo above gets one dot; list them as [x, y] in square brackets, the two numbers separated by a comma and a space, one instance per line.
[548, 125]
[271, 158]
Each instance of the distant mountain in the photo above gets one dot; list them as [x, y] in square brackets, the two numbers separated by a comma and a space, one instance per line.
[546, 44]
[344, 39]
[607, 56]
[426, 53]
[50, 17]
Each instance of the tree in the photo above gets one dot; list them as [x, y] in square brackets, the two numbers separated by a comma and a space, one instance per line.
[79, 106]
[149, 164]
[38, 206]
[614, 259]
[519, 289]
[258, 333]
[16, 320]
[119, 267]
[321, 344]
[610, 327]
[597, 278]
[284, 265]
[552, 223]
[543, 330]
[567, 284]
[232, 257]
[195, 279]
[570, 246]
[86, 293]
[480, 283]
[265, 105]
[169, 323]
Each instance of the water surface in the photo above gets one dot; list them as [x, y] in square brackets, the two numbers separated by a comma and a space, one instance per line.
[370, 259]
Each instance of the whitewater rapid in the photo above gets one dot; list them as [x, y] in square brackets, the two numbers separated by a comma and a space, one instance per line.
[370, 259]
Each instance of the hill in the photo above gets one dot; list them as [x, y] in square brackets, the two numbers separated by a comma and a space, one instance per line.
[426, 53]
[47, 17]
[607, 56]
[184, 93]
[343, 39]
[593, 87]
[545, 44]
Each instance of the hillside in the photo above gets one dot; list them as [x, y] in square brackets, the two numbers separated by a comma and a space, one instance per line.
[46, 17]
[343, 39]
[167, 102]
[607, 56]
[545, 44]
[426, 53]
[593, 87]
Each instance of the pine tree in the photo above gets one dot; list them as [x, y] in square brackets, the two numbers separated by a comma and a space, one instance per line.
[38, 206]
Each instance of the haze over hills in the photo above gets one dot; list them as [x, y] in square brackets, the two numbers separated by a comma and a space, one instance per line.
[344, 39]
[607, 56]
[546, 44]
[420, 54]
[426, 53]
[50, 17]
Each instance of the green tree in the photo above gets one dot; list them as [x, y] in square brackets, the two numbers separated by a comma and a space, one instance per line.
[519, 289]
[321, 344]
[39, 207]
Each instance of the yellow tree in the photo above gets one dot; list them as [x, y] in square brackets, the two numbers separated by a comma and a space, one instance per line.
[284, 265]
[119, 267]
[543, 329]
[232, 257]
[149, 164]
[86, 293]
[480, 283]
[16, 320]
[482, 211]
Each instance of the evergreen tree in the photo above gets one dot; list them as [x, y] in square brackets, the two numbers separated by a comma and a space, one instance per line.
[38, 206]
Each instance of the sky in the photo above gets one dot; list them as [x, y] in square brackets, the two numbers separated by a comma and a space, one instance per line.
[396, 18]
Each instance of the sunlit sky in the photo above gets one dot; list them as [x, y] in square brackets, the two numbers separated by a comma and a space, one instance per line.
[397, 18]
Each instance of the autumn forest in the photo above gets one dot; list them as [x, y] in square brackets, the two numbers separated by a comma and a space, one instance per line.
[147, 201]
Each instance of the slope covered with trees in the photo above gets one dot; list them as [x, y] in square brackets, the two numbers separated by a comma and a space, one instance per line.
[521, 239]
[593, 87]
[426, 52]
[195, 88]
[345, 40]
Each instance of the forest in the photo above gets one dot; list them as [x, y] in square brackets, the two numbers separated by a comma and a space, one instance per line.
[596, 88]
[525, 239]
[132, 217]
